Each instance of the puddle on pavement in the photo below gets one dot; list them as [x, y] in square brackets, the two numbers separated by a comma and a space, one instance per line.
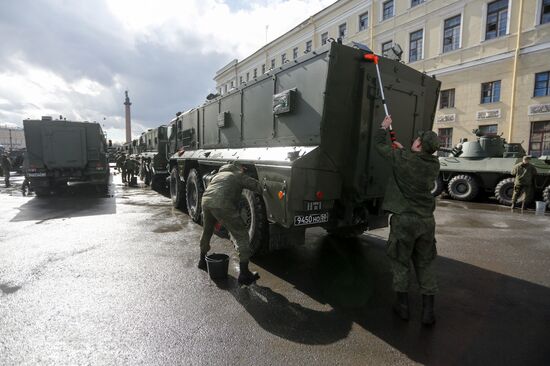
[168, 228]
[7, 289]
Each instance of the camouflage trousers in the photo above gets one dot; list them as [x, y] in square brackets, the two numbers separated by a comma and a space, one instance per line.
[233, 222]
[412, 239]
[518, 190]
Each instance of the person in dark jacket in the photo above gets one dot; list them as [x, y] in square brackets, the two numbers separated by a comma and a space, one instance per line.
[220, 204]
[409, 200]
[6, 167]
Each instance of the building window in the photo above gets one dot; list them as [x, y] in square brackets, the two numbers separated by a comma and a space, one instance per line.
[488, 129]
[542, 85]
[324, 38]
[342, 30]
[247, 76]
[445, 137]
[387, 10]
[295, 53]
[545, 12]
[490, 92]
[415, 48]
[416, 2]
[225, 89]
[386, 46]
[240, 80]
[232, 84]
[447, 99]
[272, 64]
[363, 21]
[255, 73]
[308, 46]
[283, 58]
[497, 19]
[539, 143]
[451, 34]
[263, 69]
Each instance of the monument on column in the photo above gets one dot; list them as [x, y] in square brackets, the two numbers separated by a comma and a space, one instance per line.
[128, 119]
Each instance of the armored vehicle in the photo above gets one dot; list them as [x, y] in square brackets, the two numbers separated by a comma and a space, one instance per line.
[484, 165]
[59, 151]
[305, 130]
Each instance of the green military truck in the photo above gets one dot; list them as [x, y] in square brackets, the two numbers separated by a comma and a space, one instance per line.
[153, 156]
[305, 130]
[59, 151]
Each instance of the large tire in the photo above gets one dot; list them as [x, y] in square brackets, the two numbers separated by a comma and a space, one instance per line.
[157, 183]
[463, 187]
[504, 190]
[253, 213]
[42, 192]
[546, 196]
[177, 190]
[193, 195]
[439, 186]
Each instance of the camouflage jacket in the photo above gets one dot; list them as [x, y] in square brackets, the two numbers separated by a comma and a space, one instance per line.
[224, 191]
[5, 162]
[524, 173]
[413, 175]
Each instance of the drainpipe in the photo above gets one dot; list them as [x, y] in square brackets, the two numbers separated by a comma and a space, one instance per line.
[514, 72]
[371, 25]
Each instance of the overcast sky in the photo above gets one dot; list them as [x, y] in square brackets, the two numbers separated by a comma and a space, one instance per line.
[76, 57]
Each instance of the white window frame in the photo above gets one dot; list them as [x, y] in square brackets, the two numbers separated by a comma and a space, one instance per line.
[484, 21]
[359, 21]
[423, 44]
[442, 27]
[381, 11]
[538, 14]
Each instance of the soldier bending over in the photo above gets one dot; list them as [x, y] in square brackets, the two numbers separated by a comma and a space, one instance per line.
[412, 224]
[220, 203]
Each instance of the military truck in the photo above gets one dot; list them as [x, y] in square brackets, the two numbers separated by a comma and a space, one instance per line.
[305, 130]
[153, 155]
[59, 151]
[484, 166]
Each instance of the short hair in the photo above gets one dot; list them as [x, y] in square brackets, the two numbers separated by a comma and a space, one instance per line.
[526, 158]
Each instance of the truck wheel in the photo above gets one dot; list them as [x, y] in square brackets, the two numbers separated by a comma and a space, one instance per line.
[156, 183]
[347, 232]
[504, 190]
[193, 195]
[463, 187]
[438, 186]
[546, 196]
[177, 190]
[252, 211]
[42, 192]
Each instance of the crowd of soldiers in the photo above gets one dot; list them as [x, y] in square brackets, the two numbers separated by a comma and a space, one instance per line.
[131, 166]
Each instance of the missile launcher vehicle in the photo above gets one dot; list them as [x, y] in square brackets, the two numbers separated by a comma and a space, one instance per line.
[484, 166]
[59, 151]
[152, 154]
[305, 130]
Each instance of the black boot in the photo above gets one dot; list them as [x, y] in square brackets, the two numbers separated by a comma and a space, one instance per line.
[202, 262]
[428, 316]
[245, 276]
[401, 305]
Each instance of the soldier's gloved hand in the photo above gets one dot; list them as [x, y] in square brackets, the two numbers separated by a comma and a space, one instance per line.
[397, 144]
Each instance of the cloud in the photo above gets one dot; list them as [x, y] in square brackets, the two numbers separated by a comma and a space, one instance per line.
[77, 58]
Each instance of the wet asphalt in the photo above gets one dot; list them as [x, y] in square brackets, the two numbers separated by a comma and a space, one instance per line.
[92, 280]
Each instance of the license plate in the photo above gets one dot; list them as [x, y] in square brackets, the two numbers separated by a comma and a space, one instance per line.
[300, 220]
[33, 175]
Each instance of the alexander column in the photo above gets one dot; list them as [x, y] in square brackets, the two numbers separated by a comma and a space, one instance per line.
[128, 120]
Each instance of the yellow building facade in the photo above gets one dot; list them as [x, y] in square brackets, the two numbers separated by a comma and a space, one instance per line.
[493, 58]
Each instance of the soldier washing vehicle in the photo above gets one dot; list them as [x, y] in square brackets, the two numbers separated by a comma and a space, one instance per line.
[305, 131]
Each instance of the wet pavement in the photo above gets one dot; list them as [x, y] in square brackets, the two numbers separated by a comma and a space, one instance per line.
[87, 279]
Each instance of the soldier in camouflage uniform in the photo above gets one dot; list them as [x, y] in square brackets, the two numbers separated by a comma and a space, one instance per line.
[525, 174]
[120, 165]
[131, 166]
[6, 167]
[412, 224]
[220, 204]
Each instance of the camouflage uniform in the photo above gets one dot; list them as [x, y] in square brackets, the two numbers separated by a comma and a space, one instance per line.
[525, 174]
[220, 203]
[120, 164]
[412, 225]
[6, 167]
[130, 167]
